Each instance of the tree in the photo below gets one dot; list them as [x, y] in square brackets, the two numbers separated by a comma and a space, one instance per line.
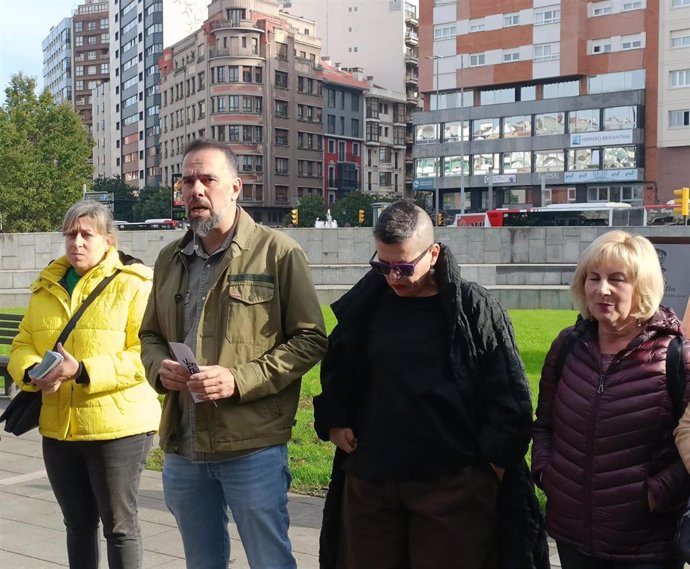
[153, 203]
[311, 207]
[123, 196]
[345, 211]
[44, 152]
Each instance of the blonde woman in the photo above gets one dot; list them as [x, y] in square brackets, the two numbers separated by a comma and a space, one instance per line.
[603, 439]
[98, 413]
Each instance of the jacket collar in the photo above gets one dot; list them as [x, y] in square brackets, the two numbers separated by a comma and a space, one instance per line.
[244, 228]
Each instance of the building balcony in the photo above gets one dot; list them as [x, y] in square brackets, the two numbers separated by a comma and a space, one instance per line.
[411, 19]
[372, 116]
[411, 39]
[411, 58]
[411, 80]
[214, 52]
[235, 24]
[412, 98]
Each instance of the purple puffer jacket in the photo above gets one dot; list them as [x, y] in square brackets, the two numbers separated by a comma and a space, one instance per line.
[602, 441]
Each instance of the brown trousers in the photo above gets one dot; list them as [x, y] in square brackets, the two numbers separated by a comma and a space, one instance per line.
[447, 522]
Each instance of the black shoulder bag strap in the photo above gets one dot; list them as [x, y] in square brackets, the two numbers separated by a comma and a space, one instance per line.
[676, 377]
[84, 305]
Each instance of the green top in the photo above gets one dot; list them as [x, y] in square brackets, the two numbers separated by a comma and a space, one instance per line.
[71, 279]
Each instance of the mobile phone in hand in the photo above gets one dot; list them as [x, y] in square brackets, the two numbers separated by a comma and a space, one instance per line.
[50, 360]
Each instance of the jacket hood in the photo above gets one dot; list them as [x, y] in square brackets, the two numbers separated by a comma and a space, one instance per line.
[665, 321]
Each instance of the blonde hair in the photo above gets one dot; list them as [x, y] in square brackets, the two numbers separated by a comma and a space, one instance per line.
[641, 263]
[96, 212]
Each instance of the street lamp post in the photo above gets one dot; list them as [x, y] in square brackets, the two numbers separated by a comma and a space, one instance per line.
[462, 138]
[438, 147]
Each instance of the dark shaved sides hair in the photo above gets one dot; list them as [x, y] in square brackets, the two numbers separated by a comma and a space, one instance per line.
[397, 223]
[206, 144]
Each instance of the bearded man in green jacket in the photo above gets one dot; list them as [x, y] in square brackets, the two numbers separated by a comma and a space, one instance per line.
[240, 296]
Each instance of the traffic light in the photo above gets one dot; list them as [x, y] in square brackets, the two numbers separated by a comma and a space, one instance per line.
[294, 216]
[439, 219]
[360, 217]
[680, 201]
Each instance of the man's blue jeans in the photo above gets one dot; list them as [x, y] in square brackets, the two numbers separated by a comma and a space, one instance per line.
[253, 487]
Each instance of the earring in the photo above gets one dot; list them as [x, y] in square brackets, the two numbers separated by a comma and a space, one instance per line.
[432, 271]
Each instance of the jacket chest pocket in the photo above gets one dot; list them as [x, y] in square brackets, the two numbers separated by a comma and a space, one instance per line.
[250, 318]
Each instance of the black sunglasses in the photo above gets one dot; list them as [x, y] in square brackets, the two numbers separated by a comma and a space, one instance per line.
[400, 269]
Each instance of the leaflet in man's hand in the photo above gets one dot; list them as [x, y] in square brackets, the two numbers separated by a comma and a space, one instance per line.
[184, 356]
[49, 361]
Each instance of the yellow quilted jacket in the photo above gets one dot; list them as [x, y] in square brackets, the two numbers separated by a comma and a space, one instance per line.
[118, 401]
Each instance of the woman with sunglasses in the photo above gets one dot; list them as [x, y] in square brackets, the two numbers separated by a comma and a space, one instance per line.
[425, 397]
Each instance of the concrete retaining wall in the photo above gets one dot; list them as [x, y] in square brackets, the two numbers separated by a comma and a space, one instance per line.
[527, 267]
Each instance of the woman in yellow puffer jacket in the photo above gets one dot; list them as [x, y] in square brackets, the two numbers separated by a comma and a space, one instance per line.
[99, 413]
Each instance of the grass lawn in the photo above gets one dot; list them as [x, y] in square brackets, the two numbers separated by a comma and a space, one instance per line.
[310, 459]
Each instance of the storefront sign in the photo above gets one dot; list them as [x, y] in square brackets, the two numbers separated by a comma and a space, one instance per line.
[603, 138]
[423, 184]
[626, 175]
[501, 179]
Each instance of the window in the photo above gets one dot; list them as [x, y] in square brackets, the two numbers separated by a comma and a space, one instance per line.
[281, 194]
[601, 9]
[247, 104]
[78, 26]
[517, 126]
[330, 124]
[549, 161]
[511, 55]
[627, 6]
[234, 106]
[79, 85]
[631, 42]
[477, 25]
[486, 129]
[548, 124]
[517, 163]
[680, 38]
[477, 59]
[678, 119]
[281, 109]
[444, 32]
[233, 74]
[620, 118]
[511, 20]
[91, 40]
[91, 26]
[586, 120]
[619, 157]
[550, 15]
[105, 68]
[282, 166]
[79, 41]
[679, 3]
[617, 81]
[281, 80]
[680, 78]
[546, 52]
[584, 159]
[355, 127]
[331, 146]
[601, 46]
[282, 51]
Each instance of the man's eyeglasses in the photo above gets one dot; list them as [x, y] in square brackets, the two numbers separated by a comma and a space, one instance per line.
[400, 269]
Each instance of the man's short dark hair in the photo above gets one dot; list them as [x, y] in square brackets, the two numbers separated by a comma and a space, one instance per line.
[397, 223]
[207, 144]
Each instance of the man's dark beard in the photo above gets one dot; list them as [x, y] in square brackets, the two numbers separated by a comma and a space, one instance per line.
[203, 226]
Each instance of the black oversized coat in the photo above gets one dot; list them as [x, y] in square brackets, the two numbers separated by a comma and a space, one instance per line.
[490, 377]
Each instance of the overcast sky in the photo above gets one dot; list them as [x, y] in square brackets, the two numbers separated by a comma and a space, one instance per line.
[24, 24]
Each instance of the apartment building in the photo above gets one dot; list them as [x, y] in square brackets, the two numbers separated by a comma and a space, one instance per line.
[387, 140]
[378, 37]
[250, 76]
[531, 102]
[91, 41]
[673, 105]
[57, 61]
[343, 128]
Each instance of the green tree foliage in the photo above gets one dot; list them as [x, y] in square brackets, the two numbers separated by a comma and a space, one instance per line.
[153, 203]
[310, 207]
[123, 196]
[345, 211]
[44, 152]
